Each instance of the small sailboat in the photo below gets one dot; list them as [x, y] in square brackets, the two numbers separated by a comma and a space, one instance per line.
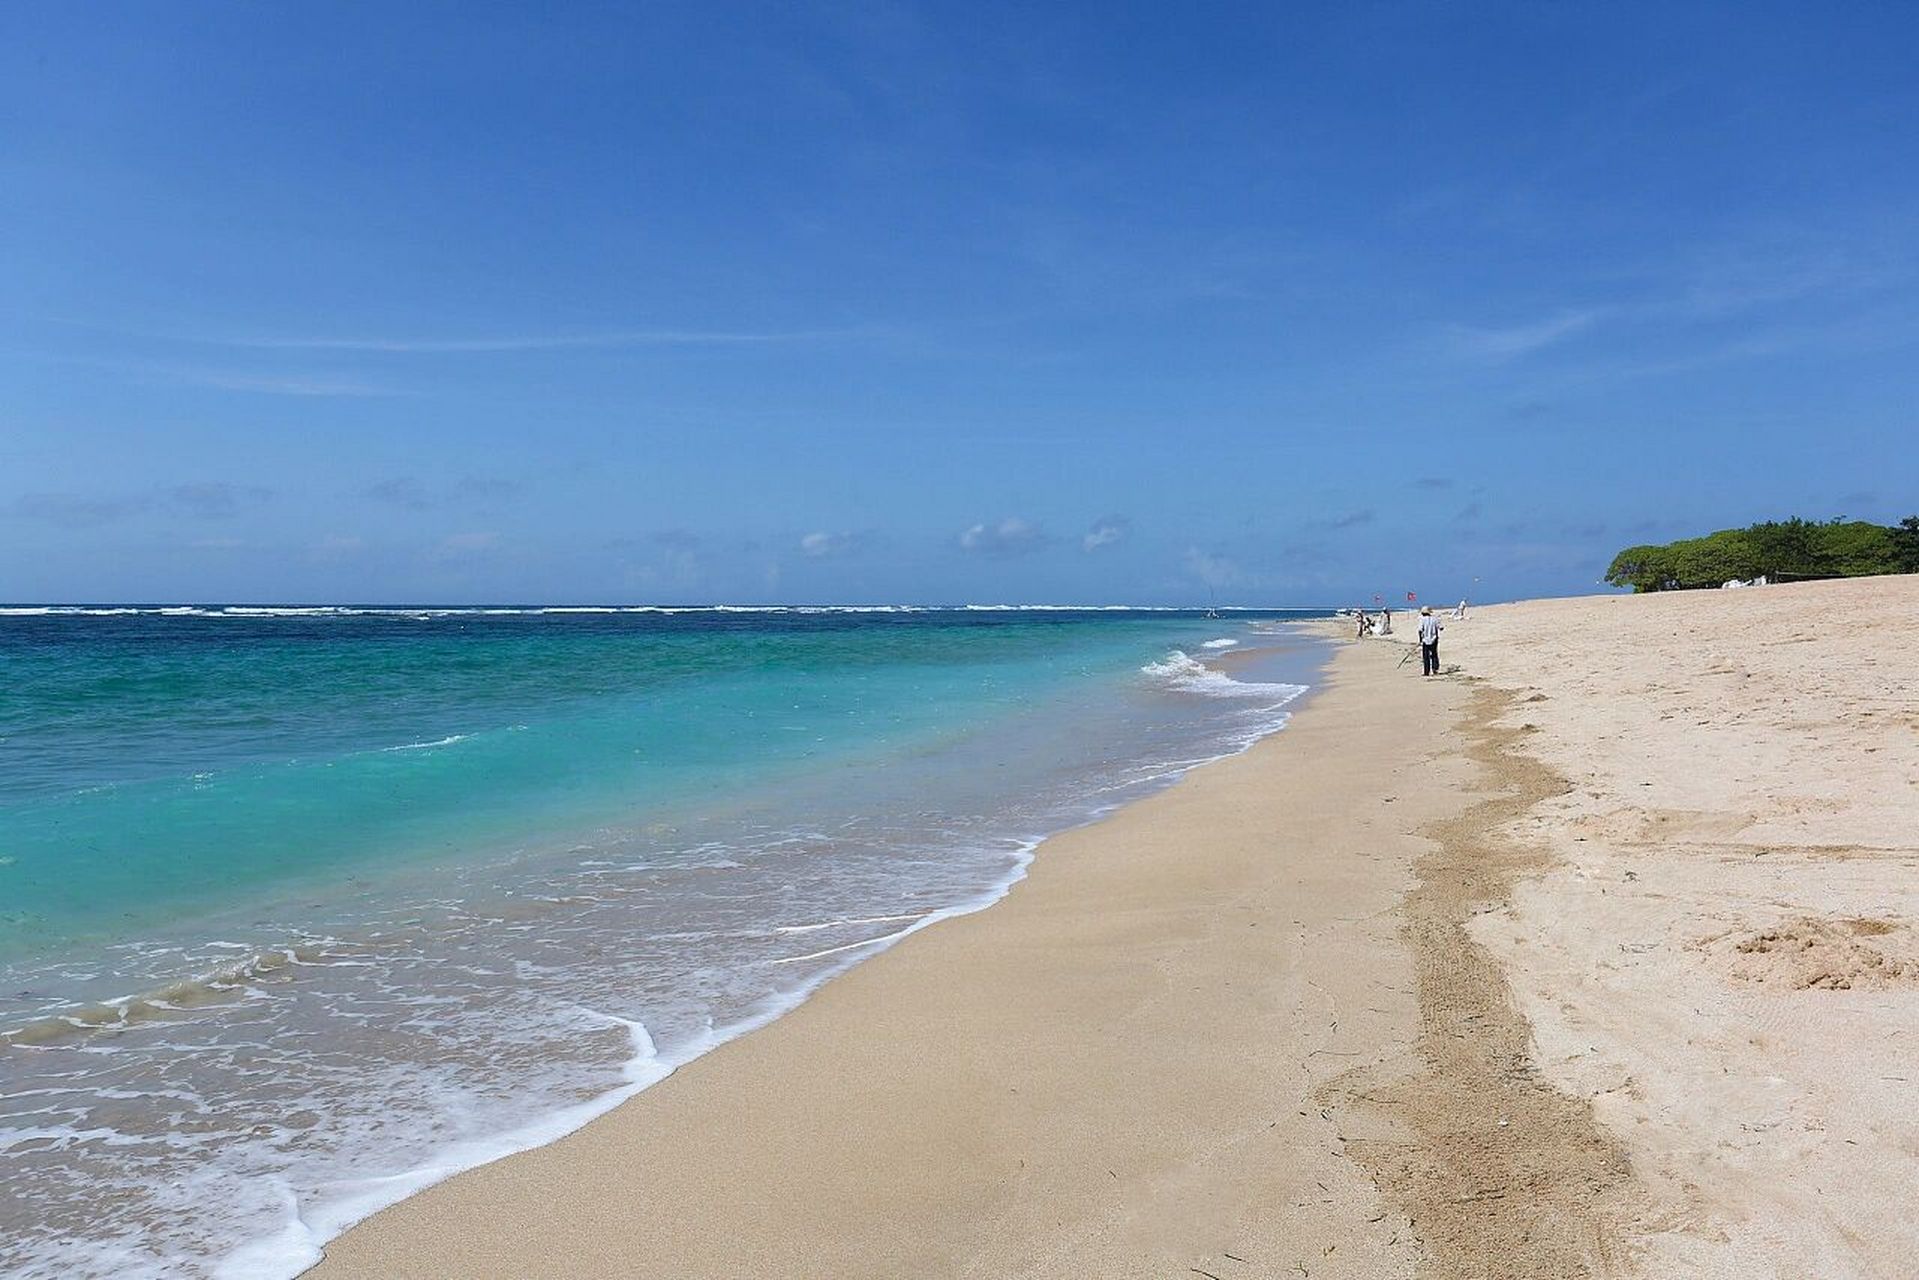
[1212, 604]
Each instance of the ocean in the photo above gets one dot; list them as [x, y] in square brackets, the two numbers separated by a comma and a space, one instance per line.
[302, 909]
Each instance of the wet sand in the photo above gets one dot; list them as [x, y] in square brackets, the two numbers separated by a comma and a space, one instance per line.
[1116, 1071]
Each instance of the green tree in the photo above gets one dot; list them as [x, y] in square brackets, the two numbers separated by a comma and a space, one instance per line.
[1855, 549]
[1646, 568]
[1787, 549]
[1905, 545]
[1711, 560]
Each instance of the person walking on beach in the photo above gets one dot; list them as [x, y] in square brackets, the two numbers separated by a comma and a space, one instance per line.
[1428, 642]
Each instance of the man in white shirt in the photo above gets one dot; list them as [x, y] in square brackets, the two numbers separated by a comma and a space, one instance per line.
[1429, 628]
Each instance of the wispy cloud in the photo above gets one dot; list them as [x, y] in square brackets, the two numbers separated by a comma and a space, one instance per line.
[271, 384]
[671, 569]
[677, 539]
[73, 510]
[824, 545]
[252, 381]
[399, 491]
[335, 546]
[411, 494]
[215, 499]
[1011, 536]
[1345, 520]
[523, 342]
[1764, 269]
[1500, 344]
[204, 500]
[456, 545]
[489, 488]
[1107, 531]
[1215, 570]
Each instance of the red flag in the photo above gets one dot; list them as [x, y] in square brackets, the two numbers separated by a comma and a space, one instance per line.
[1411, 596]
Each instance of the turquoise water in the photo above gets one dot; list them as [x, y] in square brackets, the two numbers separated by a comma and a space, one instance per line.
[153, 764]
[296, 905]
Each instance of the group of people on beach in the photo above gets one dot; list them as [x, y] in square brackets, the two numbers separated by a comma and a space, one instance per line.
[1429, 628]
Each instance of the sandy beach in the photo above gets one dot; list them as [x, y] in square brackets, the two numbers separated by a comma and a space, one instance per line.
[684, 641]
[1721, 952]
[1594, 957]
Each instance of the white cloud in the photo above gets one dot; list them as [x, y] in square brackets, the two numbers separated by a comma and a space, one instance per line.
[1106, 532]
[273, 384]
[1213, 570]
[519, 342]
[1011, 536]
[74, 510]
[673, 570]
[1518, 340]
[336, 547]
[212, 500]
[400, 491]
[822, 544]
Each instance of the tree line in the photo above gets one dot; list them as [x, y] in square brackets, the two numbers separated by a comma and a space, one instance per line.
[1777, 550]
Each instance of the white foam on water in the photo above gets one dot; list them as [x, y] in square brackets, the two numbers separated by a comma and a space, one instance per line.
[298, 1243]
[851, 946]
[1221, 643]
[840, 924]
[1181, 671]
[447, 741]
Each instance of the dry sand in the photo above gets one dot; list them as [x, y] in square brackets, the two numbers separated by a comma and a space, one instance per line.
[1596, 958]
[1722, 953]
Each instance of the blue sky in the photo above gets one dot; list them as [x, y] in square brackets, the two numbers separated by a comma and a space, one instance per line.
[968, 302]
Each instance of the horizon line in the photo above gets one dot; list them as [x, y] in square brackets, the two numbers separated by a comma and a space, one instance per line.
[594, 607]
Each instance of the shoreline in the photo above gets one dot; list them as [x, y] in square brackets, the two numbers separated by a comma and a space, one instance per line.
[301, 1242]
[1600, 958]
[647, 1188]
[418, 1097]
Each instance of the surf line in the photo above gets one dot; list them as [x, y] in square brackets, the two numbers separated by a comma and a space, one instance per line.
[855, 946]
[834, 924]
